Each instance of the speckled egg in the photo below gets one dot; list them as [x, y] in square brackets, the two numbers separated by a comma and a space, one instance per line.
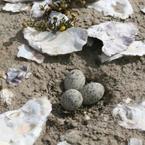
[92, 93]
[71, 100]
[75, 79]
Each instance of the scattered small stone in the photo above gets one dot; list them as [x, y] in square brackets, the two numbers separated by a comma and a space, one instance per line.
[6, 96]
[75, 79]
[71, 124]
[87, 117]
[71, 100]
[63, 143]
[60, 121]
[127, 101]
[72, 136]
[92, 93]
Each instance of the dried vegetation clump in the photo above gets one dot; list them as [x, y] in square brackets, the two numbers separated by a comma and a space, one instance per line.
[62, 6]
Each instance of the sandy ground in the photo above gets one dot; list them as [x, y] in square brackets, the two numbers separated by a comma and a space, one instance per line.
[122, 78]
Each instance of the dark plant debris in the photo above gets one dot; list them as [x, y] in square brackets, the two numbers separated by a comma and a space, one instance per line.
[63, 6]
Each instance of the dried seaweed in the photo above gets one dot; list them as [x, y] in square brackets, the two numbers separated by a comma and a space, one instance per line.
[63, 6]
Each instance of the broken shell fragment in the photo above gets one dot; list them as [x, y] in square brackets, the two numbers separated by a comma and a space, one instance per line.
[116, 36]
[37, 10]
[143, 10]
[16, 7]
[135, 141]
[137, 48]
[15, 76]
[16, 1]
[130, 116]
[27, 53]
[75, 79]
[116, 8]
[71, 100]
[59, 43]
[118, 40]
[92, 93]
[23, 126]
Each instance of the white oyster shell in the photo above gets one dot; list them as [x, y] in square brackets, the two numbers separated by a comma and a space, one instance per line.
[130, 116]
[116, 36]
[116, 8]
[71, 40]
[23, 126]
[27, 53]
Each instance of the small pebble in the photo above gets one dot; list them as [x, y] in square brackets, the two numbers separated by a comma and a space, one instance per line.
[6, 96]
[92, 93]
[63, 143]
[71, 100]
[72, 136]
[75, 79]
